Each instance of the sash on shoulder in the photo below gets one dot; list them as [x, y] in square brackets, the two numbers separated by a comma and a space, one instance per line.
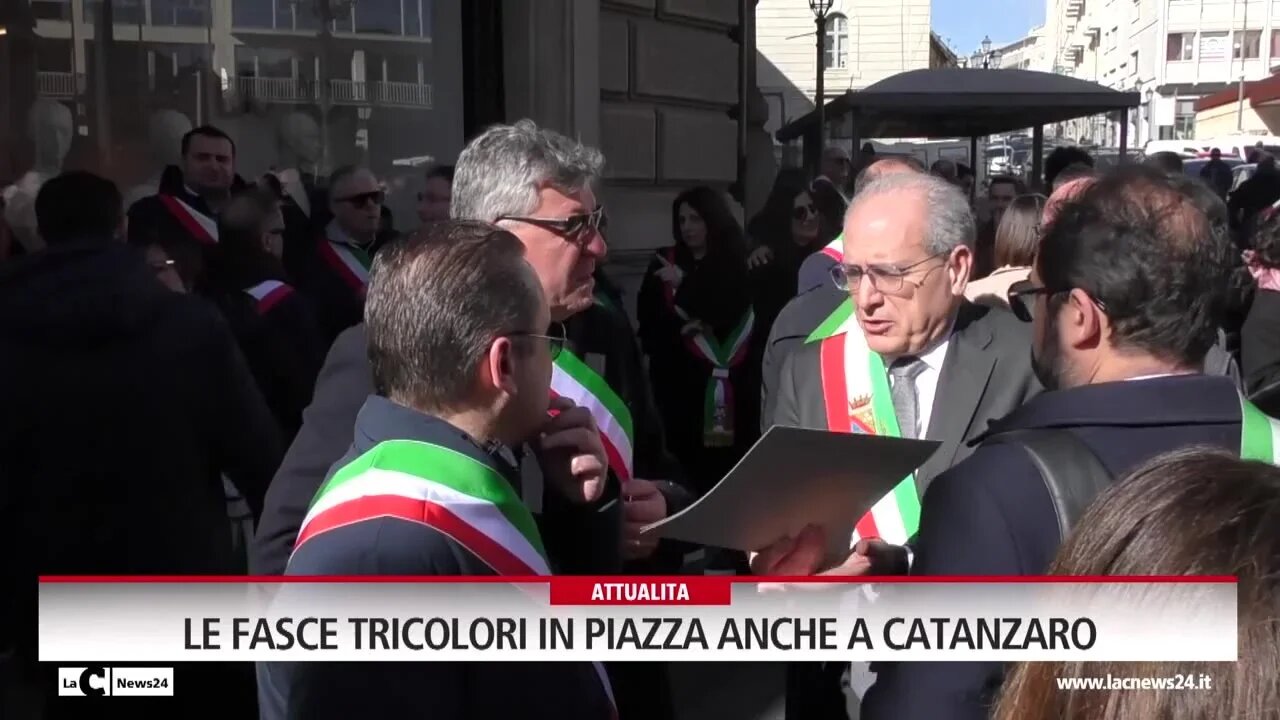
[856, 393]
[1259, 434]
[452, 493]
[349, 262]
[196, 223]
[269, 293]
[574, 379]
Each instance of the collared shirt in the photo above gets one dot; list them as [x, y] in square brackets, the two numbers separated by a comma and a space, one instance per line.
[335, 234]
[927, 382]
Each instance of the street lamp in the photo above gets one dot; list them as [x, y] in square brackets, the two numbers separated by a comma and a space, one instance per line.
[820, 9]
[986, 58]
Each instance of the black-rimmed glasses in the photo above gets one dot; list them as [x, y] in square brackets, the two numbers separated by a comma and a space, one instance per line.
[573, 227]
[885, 278]
[1022, 298]
[555, 338]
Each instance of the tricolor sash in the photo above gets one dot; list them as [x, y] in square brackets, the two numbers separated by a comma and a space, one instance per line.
[1259, 434]
[268, 294]
[350, 262]
[196, 223]
[718, 402]
[855, 390]
[573, 379]
[452, 493]
[835, 249]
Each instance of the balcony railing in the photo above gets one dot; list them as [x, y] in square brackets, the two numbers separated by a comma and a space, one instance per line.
[1075, 8]
[341, 92]
[59, 85]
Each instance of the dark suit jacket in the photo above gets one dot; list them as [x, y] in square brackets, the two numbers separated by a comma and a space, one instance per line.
[991, 514]
[985, 376]
[798, 319]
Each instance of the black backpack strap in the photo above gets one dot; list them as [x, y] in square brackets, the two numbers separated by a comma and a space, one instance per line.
[1071, 471]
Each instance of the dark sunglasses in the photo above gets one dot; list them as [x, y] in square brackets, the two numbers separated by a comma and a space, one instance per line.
[803, 212]
[362, 199]
[574, 227]
[1022, 298]
[555, 338]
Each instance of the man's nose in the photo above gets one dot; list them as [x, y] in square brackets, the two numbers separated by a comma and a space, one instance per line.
[866, 294]
[595, 245]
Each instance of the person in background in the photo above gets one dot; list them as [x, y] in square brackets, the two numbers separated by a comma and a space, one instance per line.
[947, 170]
[165, 267]
[125, 404]
[273, 323]
[1000, 193]
[836, 168]
[334, 275]
[965, 179]
[433, 201]
[1066, 193]
[1254, 195]
[1217, 174]
[183, 216]
[1187, 513]
[1016, 242]
[461, 345]
[1060, 159]
[696, 323]
[866, 156]
[1165, 161]
[1260, 335]
[797, 231]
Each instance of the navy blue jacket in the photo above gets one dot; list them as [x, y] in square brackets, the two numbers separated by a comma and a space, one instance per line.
[394, 546]
[992, 515]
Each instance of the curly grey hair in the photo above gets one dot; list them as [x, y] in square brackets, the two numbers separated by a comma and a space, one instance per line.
[950, 222]
[500, 171]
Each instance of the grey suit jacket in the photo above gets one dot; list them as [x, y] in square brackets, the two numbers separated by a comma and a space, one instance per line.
[985, 376]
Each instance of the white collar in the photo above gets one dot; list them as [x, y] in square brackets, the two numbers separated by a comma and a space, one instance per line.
[936, 355]
[335, 234]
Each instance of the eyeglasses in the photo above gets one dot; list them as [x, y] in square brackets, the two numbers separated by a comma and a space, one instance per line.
[885, 278]
[555, 338]
[803, 212]
[573, 228]
[1022, 296]
[362, 199]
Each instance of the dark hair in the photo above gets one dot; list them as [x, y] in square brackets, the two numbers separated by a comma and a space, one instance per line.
[239, 261]
[207, 131]
[78, 205]
[1018, 235]
[1193, 512]
[1169, 162]
[1207, 202]
[724, 235]
[342, 172]
[1266, 238]
[1060, 159]
[444, 172]
[436, 301]
[1143, 250]
[1019, 187]
[772, 224]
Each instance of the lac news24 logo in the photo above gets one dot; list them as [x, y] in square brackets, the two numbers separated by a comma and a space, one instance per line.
[115, 682]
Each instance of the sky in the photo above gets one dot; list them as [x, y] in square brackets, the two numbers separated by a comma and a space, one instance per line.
[963, 25]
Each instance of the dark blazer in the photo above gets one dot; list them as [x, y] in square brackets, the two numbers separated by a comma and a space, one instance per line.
[991, 514]
[798, 319]
[985, 376]
[1260, 342]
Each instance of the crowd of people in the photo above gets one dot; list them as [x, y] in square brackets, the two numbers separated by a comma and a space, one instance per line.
[359, 389]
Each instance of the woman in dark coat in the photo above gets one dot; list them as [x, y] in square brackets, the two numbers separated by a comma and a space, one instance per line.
[273, 323]
[697, 327]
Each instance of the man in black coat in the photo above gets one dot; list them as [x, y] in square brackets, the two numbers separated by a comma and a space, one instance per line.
[124, 405]
[1124, 370]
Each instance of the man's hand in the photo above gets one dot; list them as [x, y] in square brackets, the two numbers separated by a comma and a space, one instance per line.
[571, 453]
[643, 504]
[803, 555]
[761, 256]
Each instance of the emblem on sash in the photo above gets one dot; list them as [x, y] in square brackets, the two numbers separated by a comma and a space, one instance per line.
[862, 415]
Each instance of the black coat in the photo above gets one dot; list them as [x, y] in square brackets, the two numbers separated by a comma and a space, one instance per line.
[124, 404]
[992, 515]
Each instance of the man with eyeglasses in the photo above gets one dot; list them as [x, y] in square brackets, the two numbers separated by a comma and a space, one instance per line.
[905, 355]
[462, 346]
[538, 185]
[334, 274]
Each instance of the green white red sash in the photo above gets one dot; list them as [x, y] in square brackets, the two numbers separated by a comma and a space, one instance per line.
[835, 249]
[572, 378]
[1259, 434]
[268, 294]
[350, 262]
[196, 223]
[452, 493]
[855, 390]
[718, 402]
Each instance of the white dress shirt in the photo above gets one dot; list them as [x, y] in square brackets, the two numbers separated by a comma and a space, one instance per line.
[927, 383]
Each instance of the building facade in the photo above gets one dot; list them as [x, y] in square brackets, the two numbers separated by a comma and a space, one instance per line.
[1027, 53]
[864, 41]
[110, 85]
[1171, 52]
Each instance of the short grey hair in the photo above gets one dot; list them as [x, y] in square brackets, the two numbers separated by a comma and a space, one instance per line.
[500, 171]
[949, 222]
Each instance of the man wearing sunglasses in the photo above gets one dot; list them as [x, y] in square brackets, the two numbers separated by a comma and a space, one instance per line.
[334, 272]
[538, 185]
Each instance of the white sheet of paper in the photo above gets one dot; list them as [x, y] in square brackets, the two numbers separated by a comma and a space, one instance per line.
[793, 477]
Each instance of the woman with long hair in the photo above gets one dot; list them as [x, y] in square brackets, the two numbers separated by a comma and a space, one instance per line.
[1187, 513]
[697, 326]
[1016, 241]
[274, 325]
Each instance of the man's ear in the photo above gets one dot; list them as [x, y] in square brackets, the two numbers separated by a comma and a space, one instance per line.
[499, 365]
[1083, 321]
[959, 266]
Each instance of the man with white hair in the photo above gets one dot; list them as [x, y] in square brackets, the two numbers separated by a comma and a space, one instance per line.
[906, 355]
